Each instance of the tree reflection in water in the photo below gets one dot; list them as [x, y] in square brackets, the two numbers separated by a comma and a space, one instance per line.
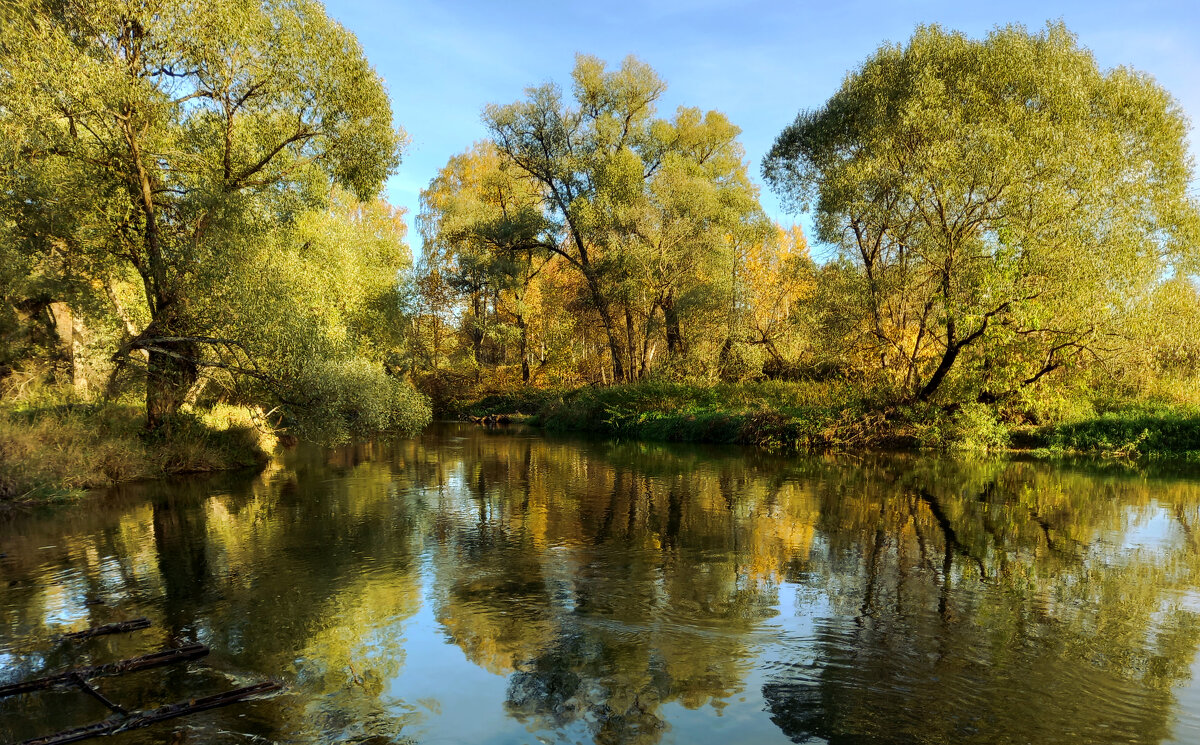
[628, 593]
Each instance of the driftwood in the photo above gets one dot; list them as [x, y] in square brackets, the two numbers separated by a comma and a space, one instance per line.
[82, 684]
[124, 719]
[139, 719]
[72, 677]
[108, 628]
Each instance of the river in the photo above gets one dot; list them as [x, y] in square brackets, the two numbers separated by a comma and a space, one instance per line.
[503, 586]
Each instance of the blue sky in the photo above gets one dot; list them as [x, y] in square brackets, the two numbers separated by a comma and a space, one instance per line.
[758, 62]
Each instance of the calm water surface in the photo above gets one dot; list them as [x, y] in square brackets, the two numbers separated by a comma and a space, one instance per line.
[501, 587]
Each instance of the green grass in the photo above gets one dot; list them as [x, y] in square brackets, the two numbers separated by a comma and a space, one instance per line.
[839, 416]
[528, 402]
[1133, 430]
[776, 416]
[53, 447]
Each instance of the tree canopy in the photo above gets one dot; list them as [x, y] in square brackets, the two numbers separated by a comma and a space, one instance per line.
[631, 226]
[1003, 207]
[161, 146]
[190, 202]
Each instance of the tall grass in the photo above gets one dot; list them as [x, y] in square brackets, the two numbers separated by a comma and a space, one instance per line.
[53, 444]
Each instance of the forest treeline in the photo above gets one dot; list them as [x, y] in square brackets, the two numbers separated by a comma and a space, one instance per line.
[1011, 236]
[193, 230]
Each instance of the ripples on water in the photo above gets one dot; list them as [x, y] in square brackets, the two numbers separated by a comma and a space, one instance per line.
[482, 587]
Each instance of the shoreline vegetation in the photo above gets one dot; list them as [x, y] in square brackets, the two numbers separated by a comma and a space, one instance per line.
[54, 446]
[828, 417]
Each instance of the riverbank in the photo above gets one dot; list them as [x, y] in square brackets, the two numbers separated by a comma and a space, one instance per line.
[842, 417]
[54, 448]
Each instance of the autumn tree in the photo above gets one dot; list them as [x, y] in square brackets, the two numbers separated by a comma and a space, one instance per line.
[1004, 203]
[774, 278]
[637, 206]
[483, 230]
[164, 139]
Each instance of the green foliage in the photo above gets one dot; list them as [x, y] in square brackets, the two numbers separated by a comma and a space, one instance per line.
[775, 416]
[188, 152]
[1148, 430]
[1003, 208]
[973, 427]
[840, 417]
[645, 214]
[318, 317]
[355, 399]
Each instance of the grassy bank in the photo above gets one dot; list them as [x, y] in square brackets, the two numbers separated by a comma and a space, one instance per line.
[844, 417]
[54, 447]
[1139, 429]
[777, 416]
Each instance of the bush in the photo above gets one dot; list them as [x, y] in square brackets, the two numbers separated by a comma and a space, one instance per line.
[349, 399]
[972, 427]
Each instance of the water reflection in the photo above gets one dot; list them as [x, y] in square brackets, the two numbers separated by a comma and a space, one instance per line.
[474, 586]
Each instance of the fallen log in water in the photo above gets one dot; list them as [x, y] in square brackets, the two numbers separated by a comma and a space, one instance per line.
[139, 719]
[156, 659]
[119, 627]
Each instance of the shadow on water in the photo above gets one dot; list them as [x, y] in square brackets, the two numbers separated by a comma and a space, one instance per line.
[493, 586]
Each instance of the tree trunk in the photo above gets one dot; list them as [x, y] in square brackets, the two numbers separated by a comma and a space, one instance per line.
[675, 343]
[197, 390]
[476, 329]
[647, 358]
[171, 373]
[614, 344]
[725, 358]
[64, 327]
[953, 348]
[630, 343]
[780, 364]
[947, 361]
[524, 348]
[614, 347]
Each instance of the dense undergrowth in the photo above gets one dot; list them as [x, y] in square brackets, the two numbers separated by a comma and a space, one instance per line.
[1134, 430]
[770, 415]
[839, 416]
[55, 445]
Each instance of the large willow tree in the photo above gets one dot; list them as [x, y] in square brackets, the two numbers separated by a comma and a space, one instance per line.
[1003, 206]
[174, 139]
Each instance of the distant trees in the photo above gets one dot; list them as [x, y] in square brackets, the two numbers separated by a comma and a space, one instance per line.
[174, 153]
[1002, 207]
[486, 240]
[200, 185]
[633, 225]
